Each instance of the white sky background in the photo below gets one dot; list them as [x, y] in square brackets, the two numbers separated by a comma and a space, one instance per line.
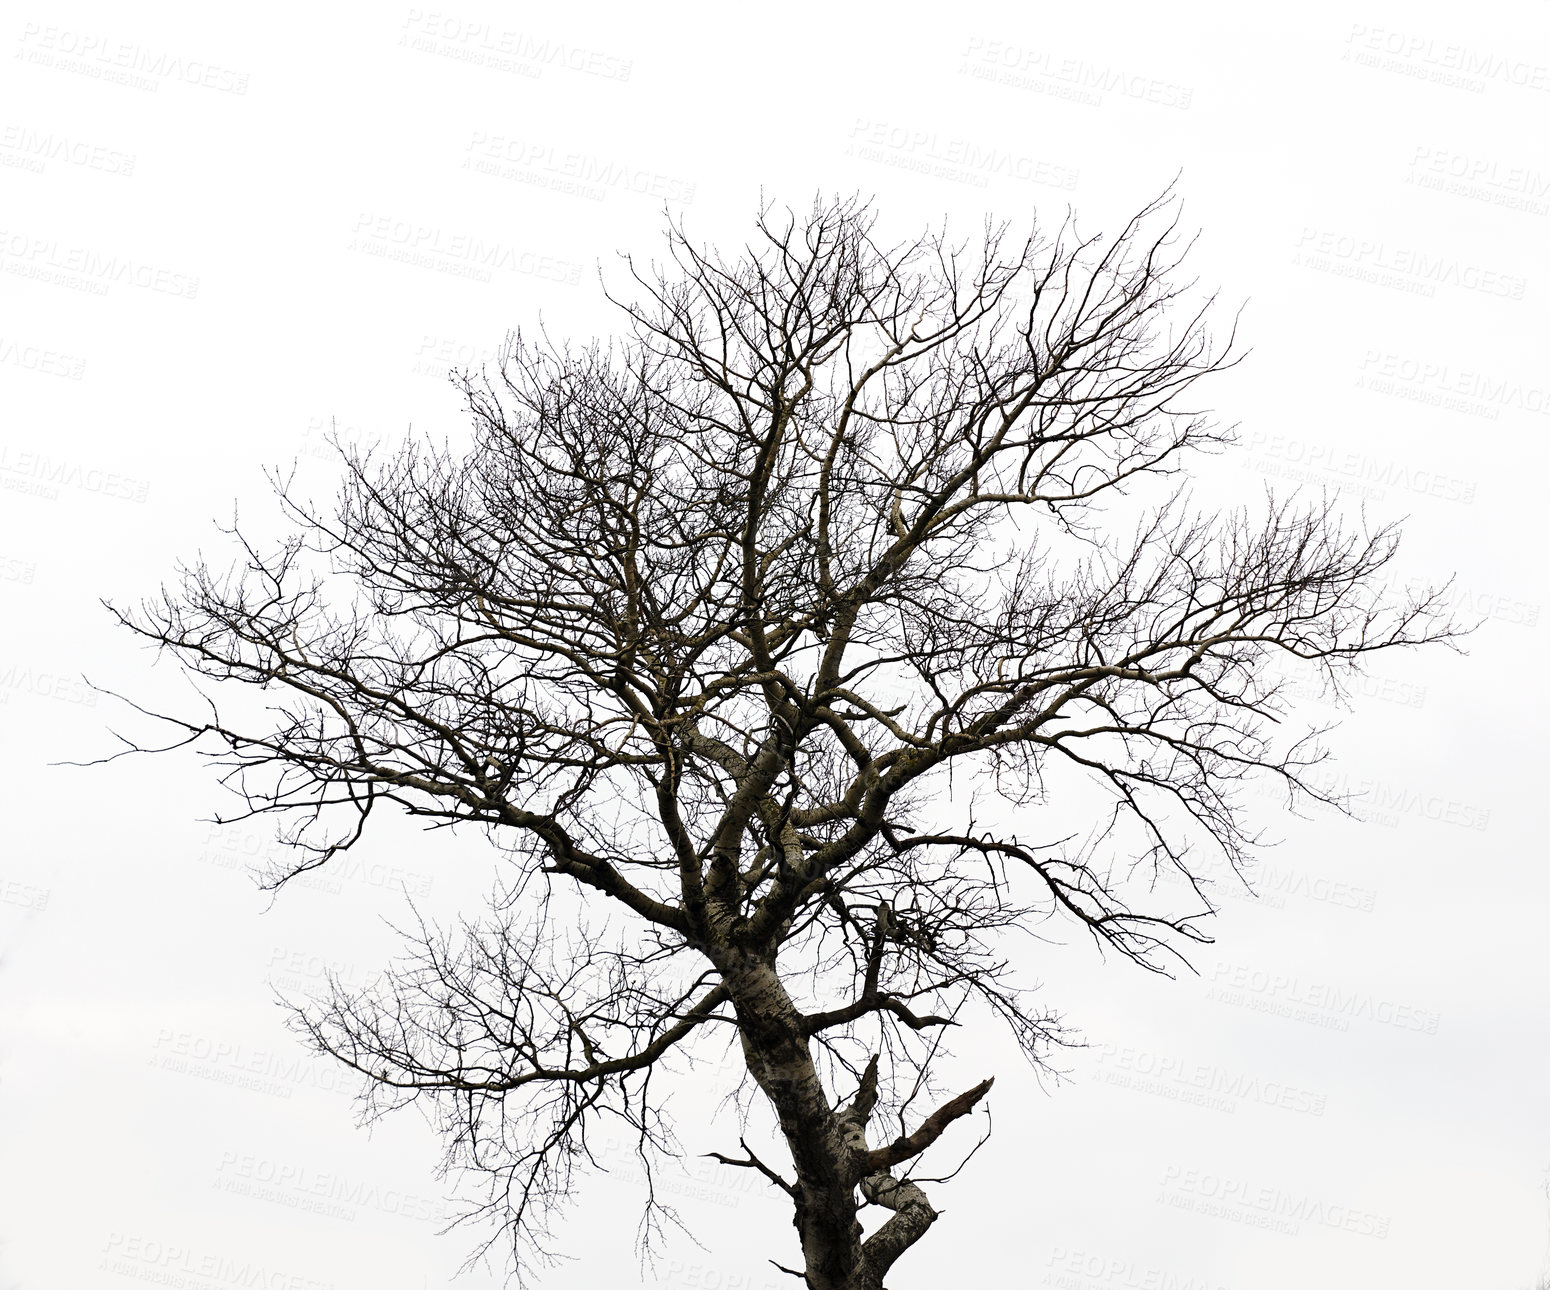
[1384, 211]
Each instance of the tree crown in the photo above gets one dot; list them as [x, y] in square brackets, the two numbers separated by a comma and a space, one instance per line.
[701, 622]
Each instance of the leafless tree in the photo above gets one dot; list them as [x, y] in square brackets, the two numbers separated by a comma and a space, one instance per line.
[738, 626]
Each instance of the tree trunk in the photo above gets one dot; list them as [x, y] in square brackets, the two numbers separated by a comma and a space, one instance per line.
[781, 1063]
[828, 1145]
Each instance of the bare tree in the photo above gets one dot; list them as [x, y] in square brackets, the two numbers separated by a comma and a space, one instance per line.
[736, 626]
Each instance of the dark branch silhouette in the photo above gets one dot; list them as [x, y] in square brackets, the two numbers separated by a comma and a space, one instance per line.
[734, 632]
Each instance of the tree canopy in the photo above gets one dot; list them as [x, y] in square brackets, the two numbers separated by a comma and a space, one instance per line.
[778, 641]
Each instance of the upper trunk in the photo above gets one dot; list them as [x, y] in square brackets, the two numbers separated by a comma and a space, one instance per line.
[828, 1145]
[781, 1063]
